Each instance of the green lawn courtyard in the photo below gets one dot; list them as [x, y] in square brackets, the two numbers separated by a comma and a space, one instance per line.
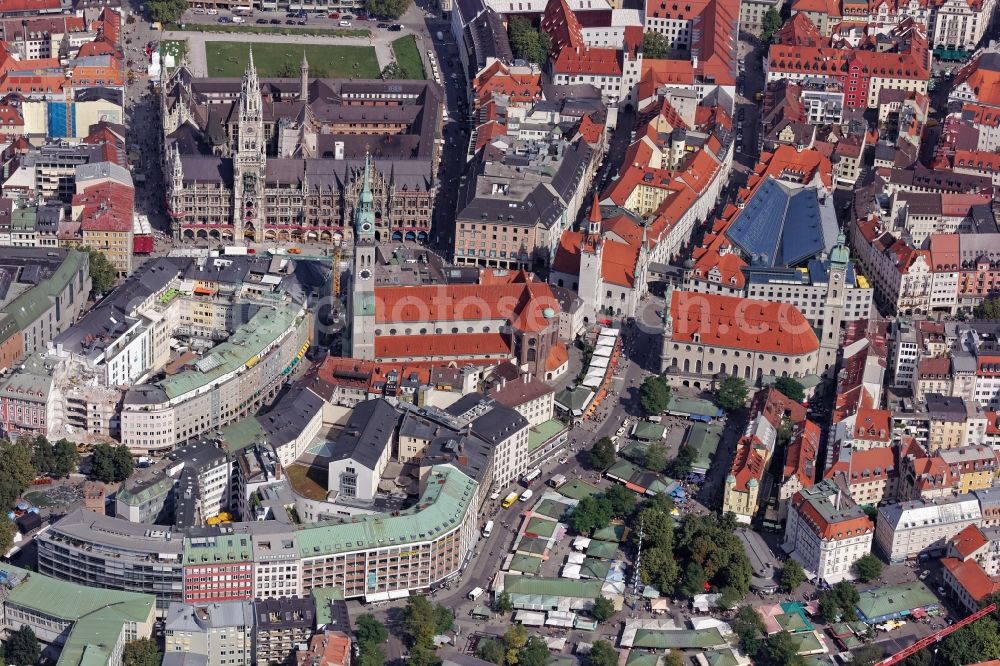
[408, 58]
[325, 61]
[173, 47]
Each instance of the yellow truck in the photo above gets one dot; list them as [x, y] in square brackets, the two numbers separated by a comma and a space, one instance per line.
[509, 500]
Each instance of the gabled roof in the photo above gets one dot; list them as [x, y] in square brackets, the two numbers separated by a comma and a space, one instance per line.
[969, 541]
[740, 323]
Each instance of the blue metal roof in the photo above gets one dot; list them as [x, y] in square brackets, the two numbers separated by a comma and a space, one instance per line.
[782, 225]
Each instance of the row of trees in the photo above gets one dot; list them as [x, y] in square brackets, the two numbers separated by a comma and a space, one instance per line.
[370, 634]
[111, 464]
[732, 392]
[387, 9]
[516, 647]
[422, 621]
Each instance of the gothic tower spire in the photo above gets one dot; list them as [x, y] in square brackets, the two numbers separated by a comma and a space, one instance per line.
[250, 101]
[249, 161]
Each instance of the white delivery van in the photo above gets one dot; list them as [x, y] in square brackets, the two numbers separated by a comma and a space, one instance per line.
[526, 495]
[488, 530]
[476, 593]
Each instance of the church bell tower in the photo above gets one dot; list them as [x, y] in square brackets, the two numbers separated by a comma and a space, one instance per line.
[363, 291]
[249, 161]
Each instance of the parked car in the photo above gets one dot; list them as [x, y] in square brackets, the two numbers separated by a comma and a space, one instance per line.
[384, 25]
[395, 27]
[262, 21]
[239, 19]
[302, 22]
[275, 21]
[347, 17]
[345, 24]
[225, 19]
[290, 22]
[211, 12]
[199, 10]
[334, 15]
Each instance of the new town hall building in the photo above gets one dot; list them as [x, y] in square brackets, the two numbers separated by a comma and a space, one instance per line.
[283, 159]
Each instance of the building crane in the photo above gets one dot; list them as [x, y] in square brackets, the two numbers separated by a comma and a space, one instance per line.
[936, 637]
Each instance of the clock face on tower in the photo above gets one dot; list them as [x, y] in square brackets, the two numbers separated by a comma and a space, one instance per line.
[366, 227]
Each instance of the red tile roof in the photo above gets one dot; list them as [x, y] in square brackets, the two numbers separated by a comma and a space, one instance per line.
[872, 425]
[521, 305]
[864, 466]
[800, 455]
[105, 207]
[741, 323]
[599, 62]
[800, 31]
[971, 577]
[474, 345]
[748, 465]
[20, 6]
[589, 130]
[828, 7]
[558, 356]
[968, 541]
[562, 27]
[838, 527]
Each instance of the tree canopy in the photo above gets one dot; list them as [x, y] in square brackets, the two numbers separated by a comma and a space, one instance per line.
[369, 629]
[22, 647]
[791, 387]
[781, 650]
[712, 543]
[503, 602]
[749, 628]
[770, 24]
[654, 394]
[490, 650]
[731, 394]
[658, 566]
[868, 568]
[655, 457]
[166, 11]
[7, 531]
[979, 641]
[598, 510]
[603, 609]
[988, 309]
[387, 9]
[654, 45]
[16, 473]
[534, 653]
[839, 602]
[602, 454]
[103, 274]
[526, 41]
[680, 466]
[141, 652]
[111, 463]
[792, 575]
[602, 653]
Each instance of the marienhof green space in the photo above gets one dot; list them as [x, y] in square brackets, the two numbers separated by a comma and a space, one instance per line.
[408, 58]
[274, 60]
